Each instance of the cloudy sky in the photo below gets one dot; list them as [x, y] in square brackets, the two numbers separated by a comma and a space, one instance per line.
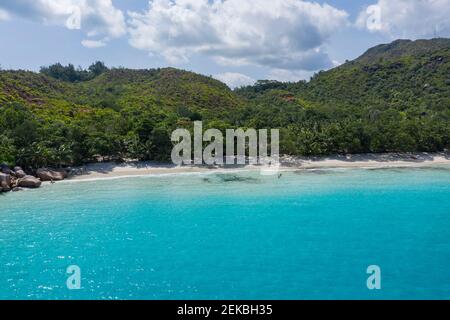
[236, 41]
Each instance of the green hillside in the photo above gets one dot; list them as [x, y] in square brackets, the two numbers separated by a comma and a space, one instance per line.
[395, 97]
[120, 113]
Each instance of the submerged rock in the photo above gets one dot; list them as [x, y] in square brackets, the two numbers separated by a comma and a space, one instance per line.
[235, 178]
[51, 175]
[29, 182]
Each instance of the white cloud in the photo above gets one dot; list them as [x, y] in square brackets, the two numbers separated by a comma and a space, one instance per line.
[235, 80]
[283, 34]
[92, 44]
[96, 17]
[4, 16]
[408, 18]
[336, 63]
[289, 76]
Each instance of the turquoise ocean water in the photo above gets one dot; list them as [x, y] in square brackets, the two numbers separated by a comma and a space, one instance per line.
[308, 235]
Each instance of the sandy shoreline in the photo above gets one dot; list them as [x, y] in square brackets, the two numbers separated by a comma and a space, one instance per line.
[112, 170]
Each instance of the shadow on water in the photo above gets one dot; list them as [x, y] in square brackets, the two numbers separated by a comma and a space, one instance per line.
[436, 169]
[409, 169]
[315, 172]
[229, 178]
[396, 170]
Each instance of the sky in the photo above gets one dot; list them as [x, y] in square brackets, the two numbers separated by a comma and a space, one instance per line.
[235, 41]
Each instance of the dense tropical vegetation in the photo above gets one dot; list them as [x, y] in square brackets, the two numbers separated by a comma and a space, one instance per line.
[395, 97]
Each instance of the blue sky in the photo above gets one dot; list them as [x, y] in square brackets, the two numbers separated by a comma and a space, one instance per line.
[237, 41]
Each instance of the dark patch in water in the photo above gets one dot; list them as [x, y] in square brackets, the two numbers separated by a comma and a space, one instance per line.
[206, 180]
[397, 170]
[435, 169]
[314, 171]
[235, 178]
[408, 169]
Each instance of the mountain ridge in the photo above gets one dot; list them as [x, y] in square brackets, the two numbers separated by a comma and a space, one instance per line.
[404, 47]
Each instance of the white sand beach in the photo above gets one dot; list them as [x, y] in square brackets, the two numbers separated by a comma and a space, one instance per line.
[134, 168]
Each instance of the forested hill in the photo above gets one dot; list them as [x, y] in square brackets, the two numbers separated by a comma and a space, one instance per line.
[395, 97]
[402, 75]
[64, 116]
[116, 89]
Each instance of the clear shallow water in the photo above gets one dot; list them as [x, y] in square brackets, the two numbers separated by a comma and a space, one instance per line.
[309, 235]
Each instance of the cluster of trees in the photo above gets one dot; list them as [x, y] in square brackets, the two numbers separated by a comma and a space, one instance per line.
[389, 133]
[144, 133]
[312, 130]
[32, 141]
[71, 74]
